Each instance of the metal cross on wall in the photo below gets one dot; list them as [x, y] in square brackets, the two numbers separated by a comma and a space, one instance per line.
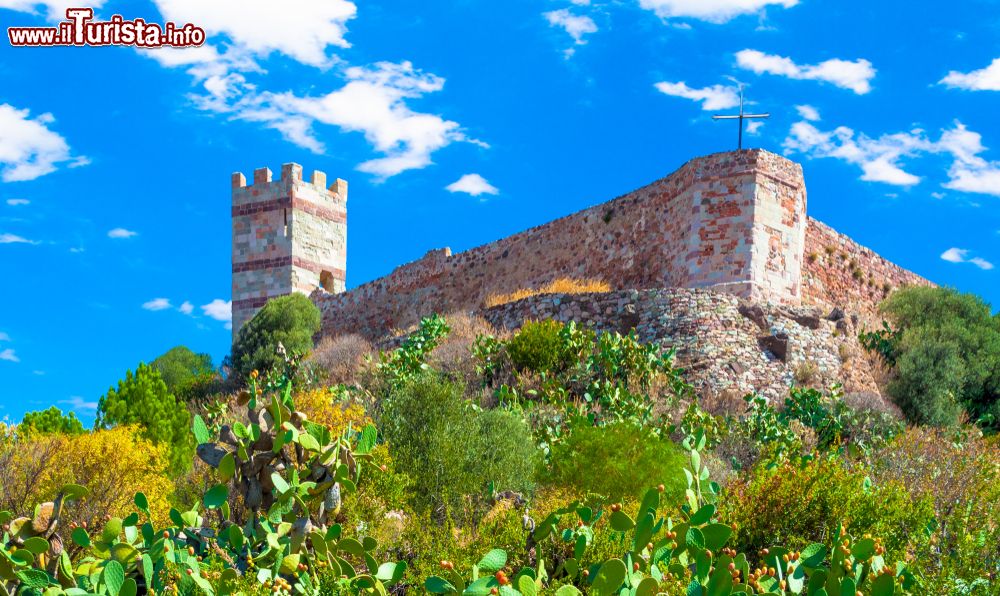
[741, 117]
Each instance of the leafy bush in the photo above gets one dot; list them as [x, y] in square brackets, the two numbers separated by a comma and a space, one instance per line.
[565, 374]
[117, 463]
[618, 460]
[51, 420]
[143, 399]
[795, 504]
[928, 381]
[946, 351]
[179, 367]
[290, 320]
[322, 407]
[960, 475]
[538, 347]
[452, 451]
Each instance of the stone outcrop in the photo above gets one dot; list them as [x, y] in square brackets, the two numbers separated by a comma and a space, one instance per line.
[724, 342]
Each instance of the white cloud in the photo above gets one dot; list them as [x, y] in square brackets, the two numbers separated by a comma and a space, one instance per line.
[879, 158]
[984, 79]
[954, 255]
[121, 233]
[186, 308]
[577, 26]
[960, 255]
[300, 29]
[981, 263]
[15, 239]
[219, 309]
[855, 75]
[713, 11]
[28, 149]
[716, 97]
[55, 10]
[754, 126]
[157, 304]
[77, 403]
[8, 355]
[808, 112]
[16, 202]
[373, 102]
[472, 184]
[969, 172]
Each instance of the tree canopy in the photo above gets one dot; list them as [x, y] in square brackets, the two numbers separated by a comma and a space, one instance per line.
[49, 421]
[179, 366]
[289, 320]
[946, 348]
[142, 398]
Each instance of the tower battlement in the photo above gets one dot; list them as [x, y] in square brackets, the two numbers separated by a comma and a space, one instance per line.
[289, 235]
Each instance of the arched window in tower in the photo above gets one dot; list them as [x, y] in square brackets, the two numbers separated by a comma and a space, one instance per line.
[326, 281]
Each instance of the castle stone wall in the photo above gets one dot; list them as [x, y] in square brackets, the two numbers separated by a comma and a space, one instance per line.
[840, 272]
[733, 222]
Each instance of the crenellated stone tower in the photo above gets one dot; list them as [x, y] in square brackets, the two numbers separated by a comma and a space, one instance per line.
[289, 235]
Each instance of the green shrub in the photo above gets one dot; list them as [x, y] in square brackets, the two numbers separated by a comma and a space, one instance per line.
[50, 421]
[962, 477]
[794, 505]
[143, 399]
[179, 367]
[289, 320]
[537, 346]
[453, 451]
[928, 381]
[618, 460]
[946, 350]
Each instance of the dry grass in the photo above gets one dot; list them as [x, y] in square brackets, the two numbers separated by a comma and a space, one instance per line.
[341, 357]
[454, 354]
[805, 373]
[563, 285]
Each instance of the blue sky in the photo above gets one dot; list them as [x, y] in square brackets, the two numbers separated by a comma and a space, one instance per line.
[455, 123]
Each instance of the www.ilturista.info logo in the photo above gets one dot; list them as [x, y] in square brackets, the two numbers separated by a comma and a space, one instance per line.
[79, 29]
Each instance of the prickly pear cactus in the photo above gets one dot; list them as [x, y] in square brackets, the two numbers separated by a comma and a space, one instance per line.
[288, 474]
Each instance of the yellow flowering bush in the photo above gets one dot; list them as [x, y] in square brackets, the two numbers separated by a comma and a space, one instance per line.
[114, 464]
[319, 405]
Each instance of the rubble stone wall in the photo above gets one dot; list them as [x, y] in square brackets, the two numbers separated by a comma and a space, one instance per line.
[725, 343]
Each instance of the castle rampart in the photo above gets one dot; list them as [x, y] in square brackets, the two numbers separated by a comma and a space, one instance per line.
[730, 222]
[733, 222]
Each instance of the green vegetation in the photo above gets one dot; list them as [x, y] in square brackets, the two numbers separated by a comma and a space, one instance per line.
[458, 449]
[289, 321]
[630, 458]
[183, 370]
[554, 461]
[51, 420]
[142, 398]
[944, 348]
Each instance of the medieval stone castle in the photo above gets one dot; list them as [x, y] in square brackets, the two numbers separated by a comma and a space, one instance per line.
[718, 260]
